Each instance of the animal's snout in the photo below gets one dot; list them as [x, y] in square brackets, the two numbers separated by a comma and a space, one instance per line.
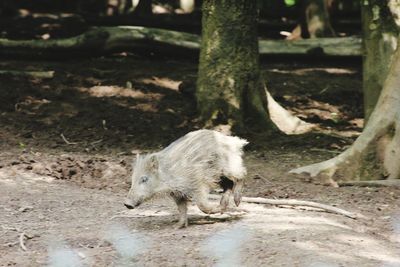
[129, 203]
[128, 206]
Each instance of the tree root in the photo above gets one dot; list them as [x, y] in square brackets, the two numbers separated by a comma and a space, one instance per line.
[295, 202]
[284, 120]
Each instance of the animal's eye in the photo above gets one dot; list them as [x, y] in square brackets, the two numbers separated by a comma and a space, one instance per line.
[143, 179]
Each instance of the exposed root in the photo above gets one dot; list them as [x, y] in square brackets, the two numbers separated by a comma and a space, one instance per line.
[284, 120]
[295, 202]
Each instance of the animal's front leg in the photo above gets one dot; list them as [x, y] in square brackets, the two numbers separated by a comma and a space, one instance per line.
[237, 191]
[225, 200]
[204, 204]
[181, 202]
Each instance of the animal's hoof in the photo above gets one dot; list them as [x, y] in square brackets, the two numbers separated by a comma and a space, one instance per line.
[181, 225]
[237, 197]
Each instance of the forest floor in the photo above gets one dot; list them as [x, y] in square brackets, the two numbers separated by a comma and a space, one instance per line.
[67, 143]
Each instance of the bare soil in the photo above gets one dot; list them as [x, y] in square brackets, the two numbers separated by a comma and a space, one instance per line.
[67, 143]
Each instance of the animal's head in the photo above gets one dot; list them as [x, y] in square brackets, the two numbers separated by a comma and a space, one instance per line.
[145, 180]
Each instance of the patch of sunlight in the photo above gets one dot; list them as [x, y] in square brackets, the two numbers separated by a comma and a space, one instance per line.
[288, 219]
[319, 249]
[15, 177]
[163, 82]
[116, 91]
[370, 248]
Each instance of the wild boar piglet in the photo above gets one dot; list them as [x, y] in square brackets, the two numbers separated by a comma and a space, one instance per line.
[188, 169]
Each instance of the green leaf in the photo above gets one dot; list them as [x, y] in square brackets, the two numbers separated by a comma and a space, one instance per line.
[290, 2]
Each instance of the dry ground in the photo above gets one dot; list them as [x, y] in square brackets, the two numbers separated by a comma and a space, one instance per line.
[67, 198]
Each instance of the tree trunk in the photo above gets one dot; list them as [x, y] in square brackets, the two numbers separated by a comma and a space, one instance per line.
[376, 152]
[144, 7]
[229, 85]
[380, 42]
[314, 20]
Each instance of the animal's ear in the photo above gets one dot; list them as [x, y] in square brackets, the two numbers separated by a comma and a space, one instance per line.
[153, 162]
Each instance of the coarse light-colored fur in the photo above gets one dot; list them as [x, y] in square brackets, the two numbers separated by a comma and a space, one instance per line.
[188, 168]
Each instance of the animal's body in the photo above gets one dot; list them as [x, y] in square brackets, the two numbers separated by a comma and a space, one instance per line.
[188, 169]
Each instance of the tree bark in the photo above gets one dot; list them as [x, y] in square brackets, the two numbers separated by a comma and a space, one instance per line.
[229, 85]
[379, 43]
[376, 152]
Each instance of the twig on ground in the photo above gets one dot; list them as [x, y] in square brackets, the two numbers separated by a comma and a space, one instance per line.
[295, 202]
[66, 141]
[21, 241]
[259, 176]
[96, 142]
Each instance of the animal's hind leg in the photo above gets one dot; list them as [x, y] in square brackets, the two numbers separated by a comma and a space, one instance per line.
[237, 191]
[204, 204]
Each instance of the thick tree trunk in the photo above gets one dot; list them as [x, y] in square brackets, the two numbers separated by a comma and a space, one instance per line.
[376, 152]
[229, 86]
[380, 42]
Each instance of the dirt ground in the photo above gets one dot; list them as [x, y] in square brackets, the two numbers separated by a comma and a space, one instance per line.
[67, 144]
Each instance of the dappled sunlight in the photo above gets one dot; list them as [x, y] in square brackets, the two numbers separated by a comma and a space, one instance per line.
[12, 177]
[335, 246]
[116, 91]
[319, 235]
[370, 248]
[284, 219]
[319, 248]
[163, 82]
